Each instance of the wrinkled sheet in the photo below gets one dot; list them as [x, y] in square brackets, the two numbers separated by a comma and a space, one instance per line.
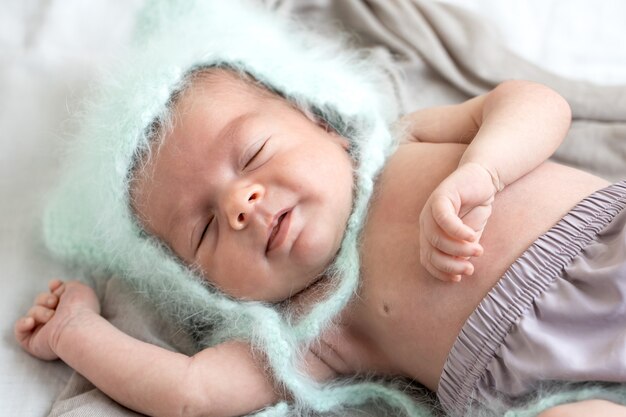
[50, 51]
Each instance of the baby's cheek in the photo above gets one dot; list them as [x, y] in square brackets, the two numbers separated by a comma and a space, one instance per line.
[238, 276]
[314, 249]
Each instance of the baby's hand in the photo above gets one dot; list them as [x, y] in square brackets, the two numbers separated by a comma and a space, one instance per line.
[452, 222]
[39, 331]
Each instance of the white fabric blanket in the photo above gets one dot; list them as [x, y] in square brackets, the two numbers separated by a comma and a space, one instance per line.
[49, 53]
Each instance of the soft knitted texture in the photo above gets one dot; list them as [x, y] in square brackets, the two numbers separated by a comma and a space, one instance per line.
[89, 223]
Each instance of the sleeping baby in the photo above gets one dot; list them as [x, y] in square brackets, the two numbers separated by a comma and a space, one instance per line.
[256, 194]
[480, 264]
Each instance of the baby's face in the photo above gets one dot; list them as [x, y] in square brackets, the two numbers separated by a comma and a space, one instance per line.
[248, 189]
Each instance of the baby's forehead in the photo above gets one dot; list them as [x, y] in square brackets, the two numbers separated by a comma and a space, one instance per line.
[220, 86]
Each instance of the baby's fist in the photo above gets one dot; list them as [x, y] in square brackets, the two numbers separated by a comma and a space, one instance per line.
[452, 222]
[39, 330]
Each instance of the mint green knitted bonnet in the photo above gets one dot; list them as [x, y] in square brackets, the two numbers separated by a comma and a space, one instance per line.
[88, 221]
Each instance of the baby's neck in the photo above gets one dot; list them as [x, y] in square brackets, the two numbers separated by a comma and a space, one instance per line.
[301, 303]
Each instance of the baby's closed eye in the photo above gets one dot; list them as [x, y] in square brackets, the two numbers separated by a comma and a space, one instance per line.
[252, 155]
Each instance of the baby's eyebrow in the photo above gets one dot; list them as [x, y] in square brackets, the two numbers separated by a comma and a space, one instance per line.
[231, 128]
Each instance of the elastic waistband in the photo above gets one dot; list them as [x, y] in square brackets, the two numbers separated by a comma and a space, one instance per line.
[522, 283]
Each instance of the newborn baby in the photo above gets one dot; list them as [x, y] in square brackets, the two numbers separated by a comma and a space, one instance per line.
[467, 221]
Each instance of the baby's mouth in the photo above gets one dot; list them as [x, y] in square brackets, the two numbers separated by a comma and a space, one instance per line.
[276, 237]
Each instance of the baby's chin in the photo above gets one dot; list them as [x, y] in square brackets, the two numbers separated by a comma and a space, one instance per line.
[312, 284]
[298, 303]
[285, 285]
[314, 253]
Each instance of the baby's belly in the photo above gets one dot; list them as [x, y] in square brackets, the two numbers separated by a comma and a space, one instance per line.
[411, 319]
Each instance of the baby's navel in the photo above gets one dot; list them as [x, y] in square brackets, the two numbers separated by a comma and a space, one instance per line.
[386, 309]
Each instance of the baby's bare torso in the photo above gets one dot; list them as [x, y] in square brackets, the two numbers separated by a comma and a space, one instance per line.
[404, 321]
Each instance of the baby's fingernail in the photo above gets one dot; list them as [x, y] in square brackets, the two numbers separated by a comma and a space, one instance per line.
[50, 301]
[456, 278]
[48, 313]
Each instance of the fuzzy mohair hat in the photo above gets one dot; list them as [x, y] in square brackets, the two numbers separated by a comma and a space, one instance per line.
[89, 221]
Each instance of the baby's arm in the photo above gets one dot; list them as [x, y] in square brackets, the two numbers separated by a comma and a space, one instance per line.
[586, 408]
[510, 131]
[65, 323]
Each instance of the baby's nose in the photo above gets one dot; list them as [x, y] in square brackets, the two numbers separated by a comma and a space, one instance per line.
[241, 203]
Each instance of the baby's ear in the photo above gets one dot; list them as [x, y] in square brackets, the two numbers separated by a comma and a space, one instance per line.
[334, 135]
[327, 127]
[320, 122]
[317, 120]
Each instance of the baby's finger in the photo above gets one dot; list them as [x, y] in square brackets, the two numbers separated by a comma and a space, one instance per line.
[24, 324]
[40, 314]
[449, 265]
[445, 216]
[53, 284]
[47, 300]
[460, 248]
[23, 328]
[442, 276]
[60, 290]
[477, 217]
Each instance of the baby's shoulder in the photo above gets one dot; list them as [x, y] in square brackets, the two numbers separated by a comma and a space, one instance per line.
[425, 156]
[417, 168]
